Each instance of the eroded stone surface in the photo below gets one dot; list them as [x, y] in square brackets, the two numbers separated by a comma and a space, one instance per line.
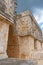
[27, 25]
[7, 8]
[4, 28]
[17, 62]
[22, 39]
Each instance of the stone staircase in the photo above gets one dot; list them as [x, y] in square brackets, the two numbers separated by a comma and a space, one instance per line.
[9, 61]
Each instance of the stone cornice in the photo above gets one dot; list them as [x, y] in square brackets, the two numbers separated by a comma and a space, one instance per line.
[34, 20]
[5, 18]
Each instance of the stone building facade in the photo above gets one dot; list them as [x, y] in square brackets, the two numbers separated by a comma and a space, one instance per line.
[29, 34]
[20, 36]
[26, 41]
[7, 16]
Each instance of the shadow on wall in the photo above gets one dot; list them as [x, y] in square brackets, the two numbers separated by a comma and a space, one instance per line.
[12, 49]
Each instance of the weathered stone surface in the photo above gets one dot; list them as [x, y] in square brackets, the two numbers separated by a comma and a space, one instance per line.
[42, 45]
[36, 30]
[27, 25]
[40, 62]
[22, 38]
[7, 8]
[4, 29]
[13, 46]
[25, 46]
[38, 44]
[17, 62]
[23, 25]
[38, 55]
[10, 7]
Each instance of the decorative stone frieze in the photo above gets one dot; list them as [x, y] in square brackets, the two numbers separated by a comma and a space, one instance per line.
[27, 25]
[8, 8]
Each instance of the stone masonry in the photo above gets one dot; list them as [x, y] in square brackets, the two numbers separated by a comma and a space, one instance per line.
[27, 39]
[8, 8]
[6, 20]
[20, 36]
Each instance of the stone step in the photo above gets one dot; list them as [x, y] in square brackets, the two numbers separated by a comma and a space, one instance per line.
[10, 61]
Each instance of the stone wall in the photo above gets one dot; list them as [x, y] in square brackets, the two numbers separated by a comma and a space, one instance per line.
[4, 29]
[24, 39]
[13, 46]
[29, 37]
[23, 25]
[25, 45]
[8, 9]
[27, 25]
[27, 49]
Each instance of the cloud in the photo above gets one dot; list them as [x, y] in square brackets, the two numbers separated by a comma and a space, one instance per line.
[38, 14]
[36, 7]
[42, 26]
[29, 4]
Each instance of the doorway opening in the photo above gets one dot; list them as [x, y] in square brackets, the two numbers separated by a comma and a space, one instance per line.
[12, 48]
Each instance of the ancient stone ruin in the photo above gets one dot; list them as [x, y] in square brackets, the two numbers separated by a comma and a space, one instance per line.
[20, 35]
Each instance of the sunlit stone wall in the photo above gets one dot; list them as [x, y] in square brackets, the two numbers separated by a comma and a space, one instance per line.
[27, 25]
[4, 29]
[29, 37]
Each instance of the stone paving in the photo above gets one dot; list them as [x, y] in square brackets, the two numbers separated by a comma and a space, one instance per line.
[17, 62]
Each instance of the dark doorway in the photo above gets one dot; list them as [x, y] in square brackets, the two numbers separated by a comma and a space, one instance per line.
[12, 49]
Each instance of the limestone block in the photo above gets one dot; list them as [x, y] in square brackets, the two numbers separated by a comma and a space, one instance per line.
[38, 45]
[37, 55]
[24, 26]
[4, 29]
[40, 62]
[37, 32]
[23, 46]
[31, 43]
[3, 56]
[26, 45]
[42, 46]
[8, 6]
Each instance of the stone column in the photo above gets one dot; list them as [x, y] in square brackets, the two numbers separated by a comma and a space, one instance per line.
[4, 29]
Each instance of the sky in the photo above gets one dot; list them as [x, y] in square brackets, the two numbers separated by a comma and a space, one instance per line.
[36, 7]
